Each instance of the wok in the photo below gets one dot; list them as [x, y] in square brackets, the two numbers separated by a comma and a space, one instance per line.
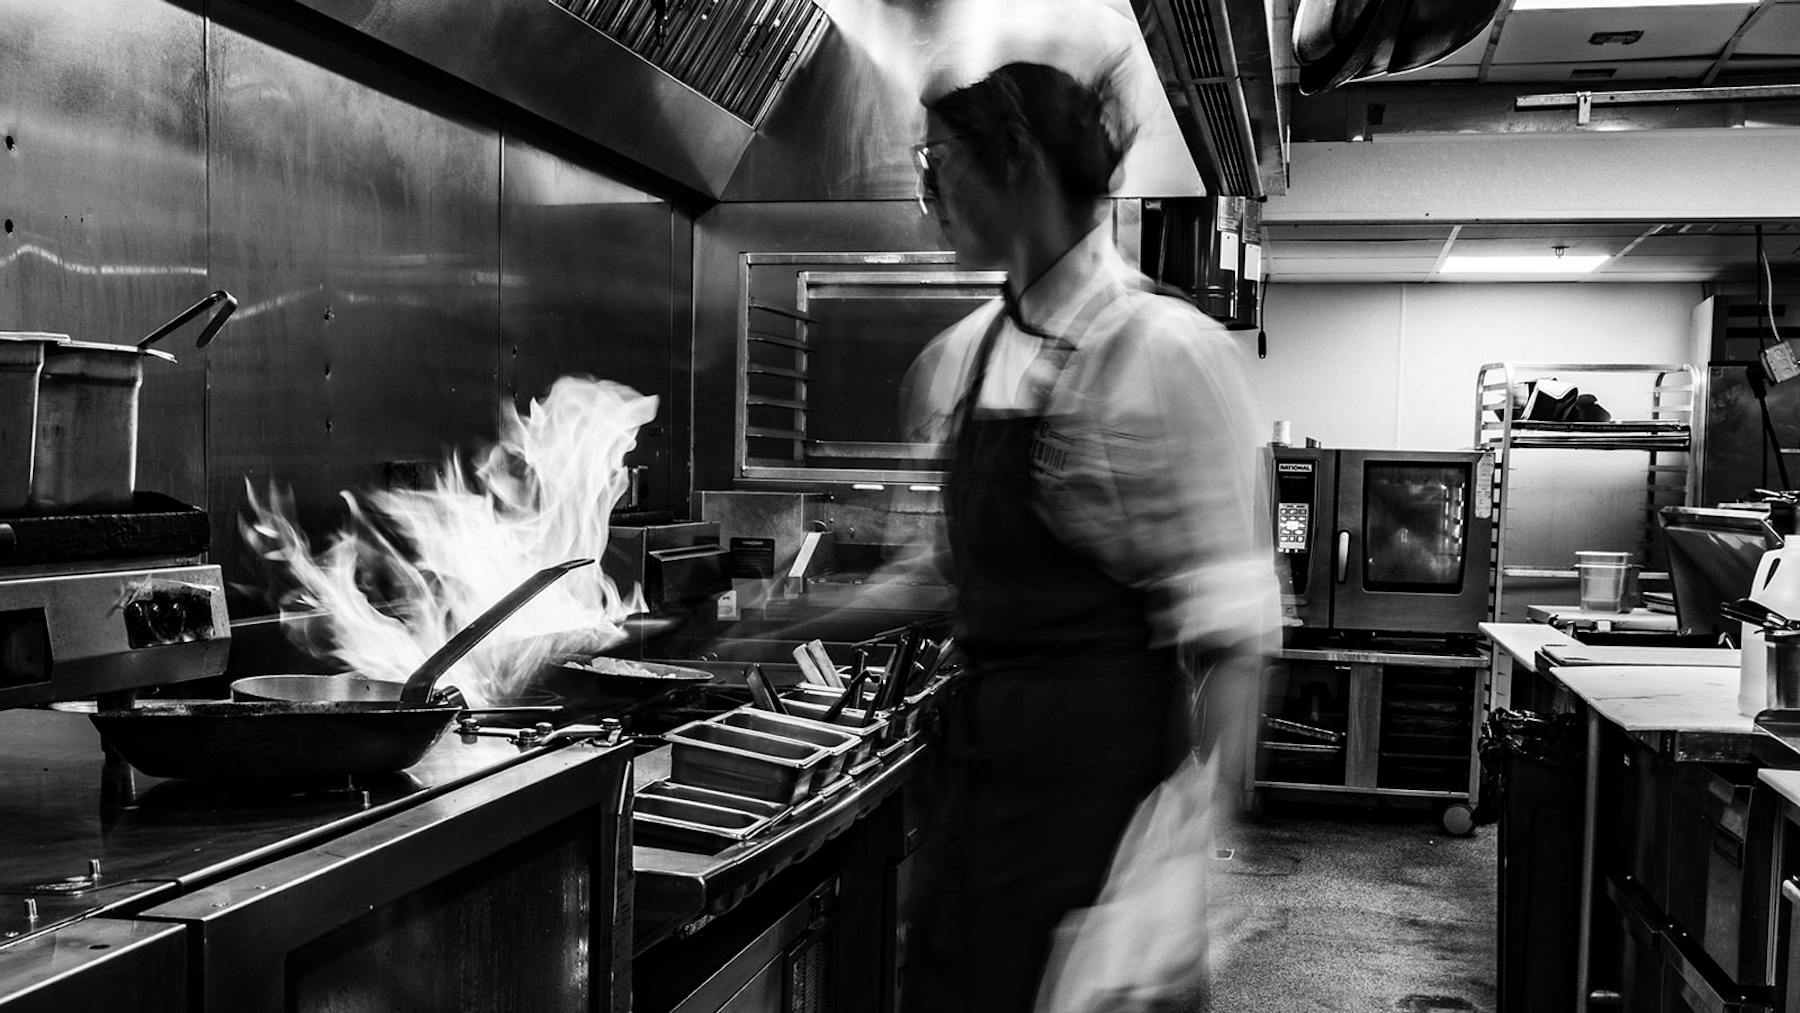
[612, 680]
[287, 740]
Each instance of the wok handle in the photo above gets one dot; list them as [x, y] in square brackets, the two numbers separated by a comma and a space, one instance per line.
[206, 333]
[418, 685]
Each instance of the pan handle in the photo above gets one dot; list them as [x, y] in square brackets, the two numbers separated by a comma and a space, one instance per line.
[418, 685]
[206, 333]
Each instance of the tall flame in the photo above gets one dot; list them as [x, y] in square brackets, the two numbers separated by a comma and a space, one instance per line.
[414, 566]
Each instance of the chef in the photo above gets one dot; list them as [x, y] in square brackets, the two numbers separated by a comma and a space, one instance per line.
[1102, 518]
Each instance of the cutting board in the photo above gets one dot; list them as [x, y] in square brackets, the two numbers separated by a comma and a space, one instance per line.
[1692, 657]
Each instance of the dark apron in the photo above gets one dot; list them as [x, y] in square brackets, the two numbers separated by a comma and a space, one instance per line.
[1053, 739]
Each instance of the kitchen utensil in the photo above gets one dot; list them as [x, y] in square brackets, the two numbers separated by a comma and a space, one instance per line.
[761, 691]
[418, 686]
[827, 668]
[851, 688]
[809, 666]
[282, 740]
[1749, 610]
[620, 677]
[228, 306]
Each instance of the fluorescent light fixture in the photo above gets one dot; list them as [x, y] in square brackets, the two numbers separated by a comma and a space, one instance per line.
[1536, 264]
[1591, 5]
[926, 488]
[867, 486]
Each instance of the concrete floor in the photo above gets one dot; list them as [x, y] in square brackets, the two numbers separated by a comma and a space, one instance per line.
[1355, 911]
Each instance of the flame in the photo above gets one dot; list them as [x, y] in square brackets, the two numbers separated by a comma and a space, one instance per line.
[413, 566]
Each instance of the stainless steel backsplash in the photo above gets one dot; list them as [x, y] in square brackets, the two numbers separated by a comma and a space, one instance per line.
[403, 258]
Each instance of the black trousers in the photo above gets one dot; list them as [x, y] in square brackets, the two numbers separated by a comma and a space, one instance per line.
[1041, 771]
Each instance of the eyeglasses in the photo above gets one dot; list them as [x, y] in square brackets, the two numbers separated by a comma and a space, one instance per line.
[927, 156]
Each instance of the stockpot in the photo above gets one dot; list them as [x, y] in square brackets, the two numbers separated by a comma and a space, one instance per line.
[85, 446]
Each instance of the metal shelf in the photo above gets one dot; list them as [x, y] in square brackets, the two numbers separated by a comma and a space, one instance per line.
[1667, 432]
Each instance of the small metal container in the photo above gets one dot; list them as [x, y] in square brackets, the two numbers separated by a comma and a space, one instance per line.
[687, 792]
[1783, 668]
[684, 825]
[848, 749]
[740, 761]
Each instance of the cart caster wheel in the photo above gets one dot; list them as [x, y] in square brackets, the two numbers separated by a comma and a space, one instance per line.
[1458, 820]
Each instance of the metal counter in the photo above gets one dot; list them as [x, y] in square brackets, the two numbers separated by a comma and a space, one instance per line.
[259, 877]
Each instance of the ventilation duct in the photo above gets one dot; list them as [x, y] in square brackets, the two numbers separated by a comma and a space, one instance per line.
[1338, 41]
[1217, 65]
[734, 52]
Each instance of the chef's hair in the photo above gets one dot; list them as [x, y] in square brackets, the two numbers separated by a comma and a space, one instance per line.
[1075, 125]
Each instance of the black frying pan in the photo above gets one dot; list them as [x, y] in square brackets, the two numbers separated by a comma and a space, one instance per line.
[286, 740]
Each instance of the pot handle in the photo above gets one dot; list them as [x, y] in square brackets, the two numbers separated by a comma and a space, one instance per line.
[206, 333]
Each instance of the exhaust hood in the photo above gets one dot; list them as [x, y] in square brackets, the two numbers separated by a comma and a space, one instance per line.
[1219, 69]
[734, 52]
[675, 86]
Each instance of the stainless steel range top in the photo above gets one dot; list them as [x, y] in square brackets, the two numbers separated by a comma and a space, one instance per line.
[64, 806]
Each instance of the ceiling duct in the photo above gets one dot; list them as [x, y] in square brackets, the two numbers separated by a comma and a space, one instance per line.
[1338, 41]
[734, 52]
[1218, 67]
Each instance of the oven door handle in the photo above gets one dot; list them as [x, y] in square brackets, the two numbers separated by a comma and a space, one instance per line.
[1343, 555]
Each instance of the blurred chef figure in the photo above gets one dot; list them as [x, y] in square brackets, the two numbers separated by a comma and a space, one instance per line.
[1103, 517]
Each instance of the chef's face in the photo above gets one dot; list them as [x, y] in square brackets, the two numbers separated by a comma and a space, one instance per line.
[969, 207]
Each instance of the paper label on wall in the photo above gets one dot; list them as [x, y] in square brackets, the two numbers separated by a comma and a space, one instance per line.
[1228, 251]
[1484, 486]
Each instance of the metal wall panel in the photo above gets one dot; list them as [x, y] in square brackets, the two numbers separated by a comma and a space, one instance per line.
[720, 236]
[586, 290]
[365, 230]
[549, 62]
[103, 196]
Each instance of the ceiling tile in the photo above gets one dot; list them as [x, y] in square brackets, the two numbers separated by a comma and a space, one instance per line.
[1558, 36]
[1776, 33]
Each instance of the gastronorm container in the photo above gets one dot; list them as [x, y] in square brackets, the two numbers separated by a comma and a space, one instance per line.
[666, 788]
[850, 748]
[740, 761]
[85, 447]
[811, 702]
[664, 821]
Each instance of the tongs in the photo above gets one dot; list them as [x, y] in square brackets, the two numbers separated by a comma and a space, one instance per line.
[1748, 610]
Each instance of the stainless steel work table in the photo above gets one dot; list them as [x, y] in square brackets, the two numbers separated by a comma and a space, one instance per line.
[1682, 713]
[678, 888]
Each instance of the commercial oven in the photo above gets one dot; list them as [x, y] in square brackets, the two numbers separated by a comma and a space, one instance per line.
[1383, 540]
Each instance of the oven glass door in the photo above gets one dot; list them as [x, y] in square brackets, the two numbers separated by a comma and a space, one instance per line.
[1415, 544]
[825, 343]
